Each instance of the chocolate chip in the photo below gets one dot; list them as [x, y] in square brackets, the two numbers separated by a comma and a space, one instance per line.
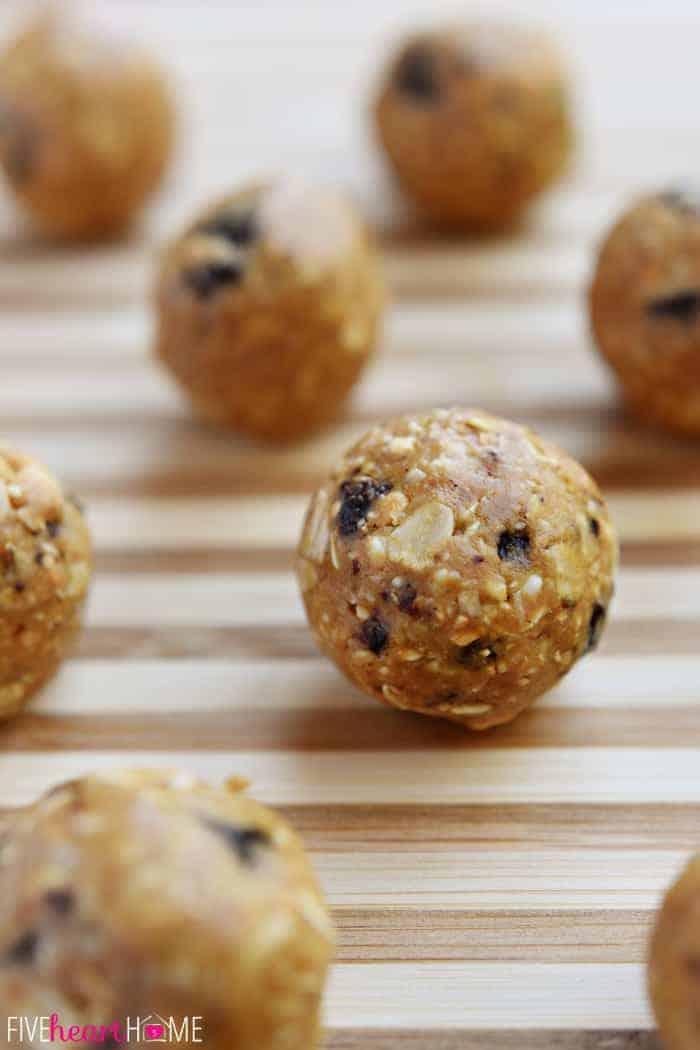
[23, 951]
[374, 634]
[686, 201]
[356, 499]
[595, 526]
[405, 596]
[243, 841]
[237, 227]
[681, 306]
[416, 74]
[61, 902]
[514, 547]
[205, 280]
[53, 528]
[595, 626]
[356, 566]
[19, 586]
[476, 655]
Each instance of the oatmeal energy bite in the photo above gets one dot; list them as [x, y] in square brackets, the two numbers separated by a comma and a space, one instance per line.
[45, 562]
[645, 307]
[86, 127]
[457, 565]
[475, 121]
[269, 307]
[133, 894]
[674, 962]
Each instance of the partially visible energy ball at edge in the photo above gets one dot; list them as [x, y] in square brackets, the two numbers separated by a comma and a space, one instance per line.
[45, 565]
[456, 565]
[645, 308]
[674, 961]
[86, 127]
[128, 894]
[269, 307]
[475, 121]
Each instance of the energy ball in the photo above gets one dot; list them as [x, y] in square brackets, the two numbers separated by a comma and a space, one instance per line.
[645, 308]
[456, 565]
[475, 122]
[149, 894]
[86, 128]
[674, 963]
[269, 307]
[45, 562]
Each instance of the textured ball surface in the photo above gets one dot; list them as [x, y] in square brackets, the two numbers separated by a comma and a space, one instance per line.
[86, 128]
[645, 308]
[674, 962]
[134, 894]
[269, 307]
[45, 563]
[457, 565]
[475, 122]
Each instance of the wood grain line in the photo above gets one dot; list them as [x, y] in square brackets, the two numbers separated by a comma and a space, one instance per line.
[392, 934]
[571, 826]
[349, 730]
[484, 1039]
[500, 775]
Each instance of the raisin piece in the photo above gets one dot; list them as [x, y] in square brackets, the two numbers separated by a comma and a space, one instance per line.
[406, 596]
[239, 228]
[61, 902]
[356, 499]
[375, 635]
[356, 566]
[595, 626]
[681, 306]
[416, 74]
[685, 201]
[206, 280]
[19, 145]
[39, 557]
[23, 951]
[514, 547]
[19, 586]
[476, 655]
[595, 527]
[243, 841]
[53, 528]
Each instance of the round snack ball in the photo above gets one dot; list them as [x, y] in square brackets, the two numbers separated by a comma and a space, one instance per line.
[86, 128]
[269, 306]
[475, 121]
[149, 894]
[45, 562]
[457, 565]
[645, 308]
[674, 962]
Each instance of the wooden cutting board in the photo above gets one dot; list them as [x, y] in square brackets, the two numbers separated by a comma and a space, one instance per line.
[490, 891]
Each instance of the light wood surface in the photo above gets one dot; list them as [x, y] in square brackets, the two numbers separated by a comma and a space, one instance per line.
[491, 892]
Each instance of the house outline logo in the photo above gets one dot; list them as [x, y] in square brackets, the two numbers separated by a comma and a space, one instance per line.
[155, 1028]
